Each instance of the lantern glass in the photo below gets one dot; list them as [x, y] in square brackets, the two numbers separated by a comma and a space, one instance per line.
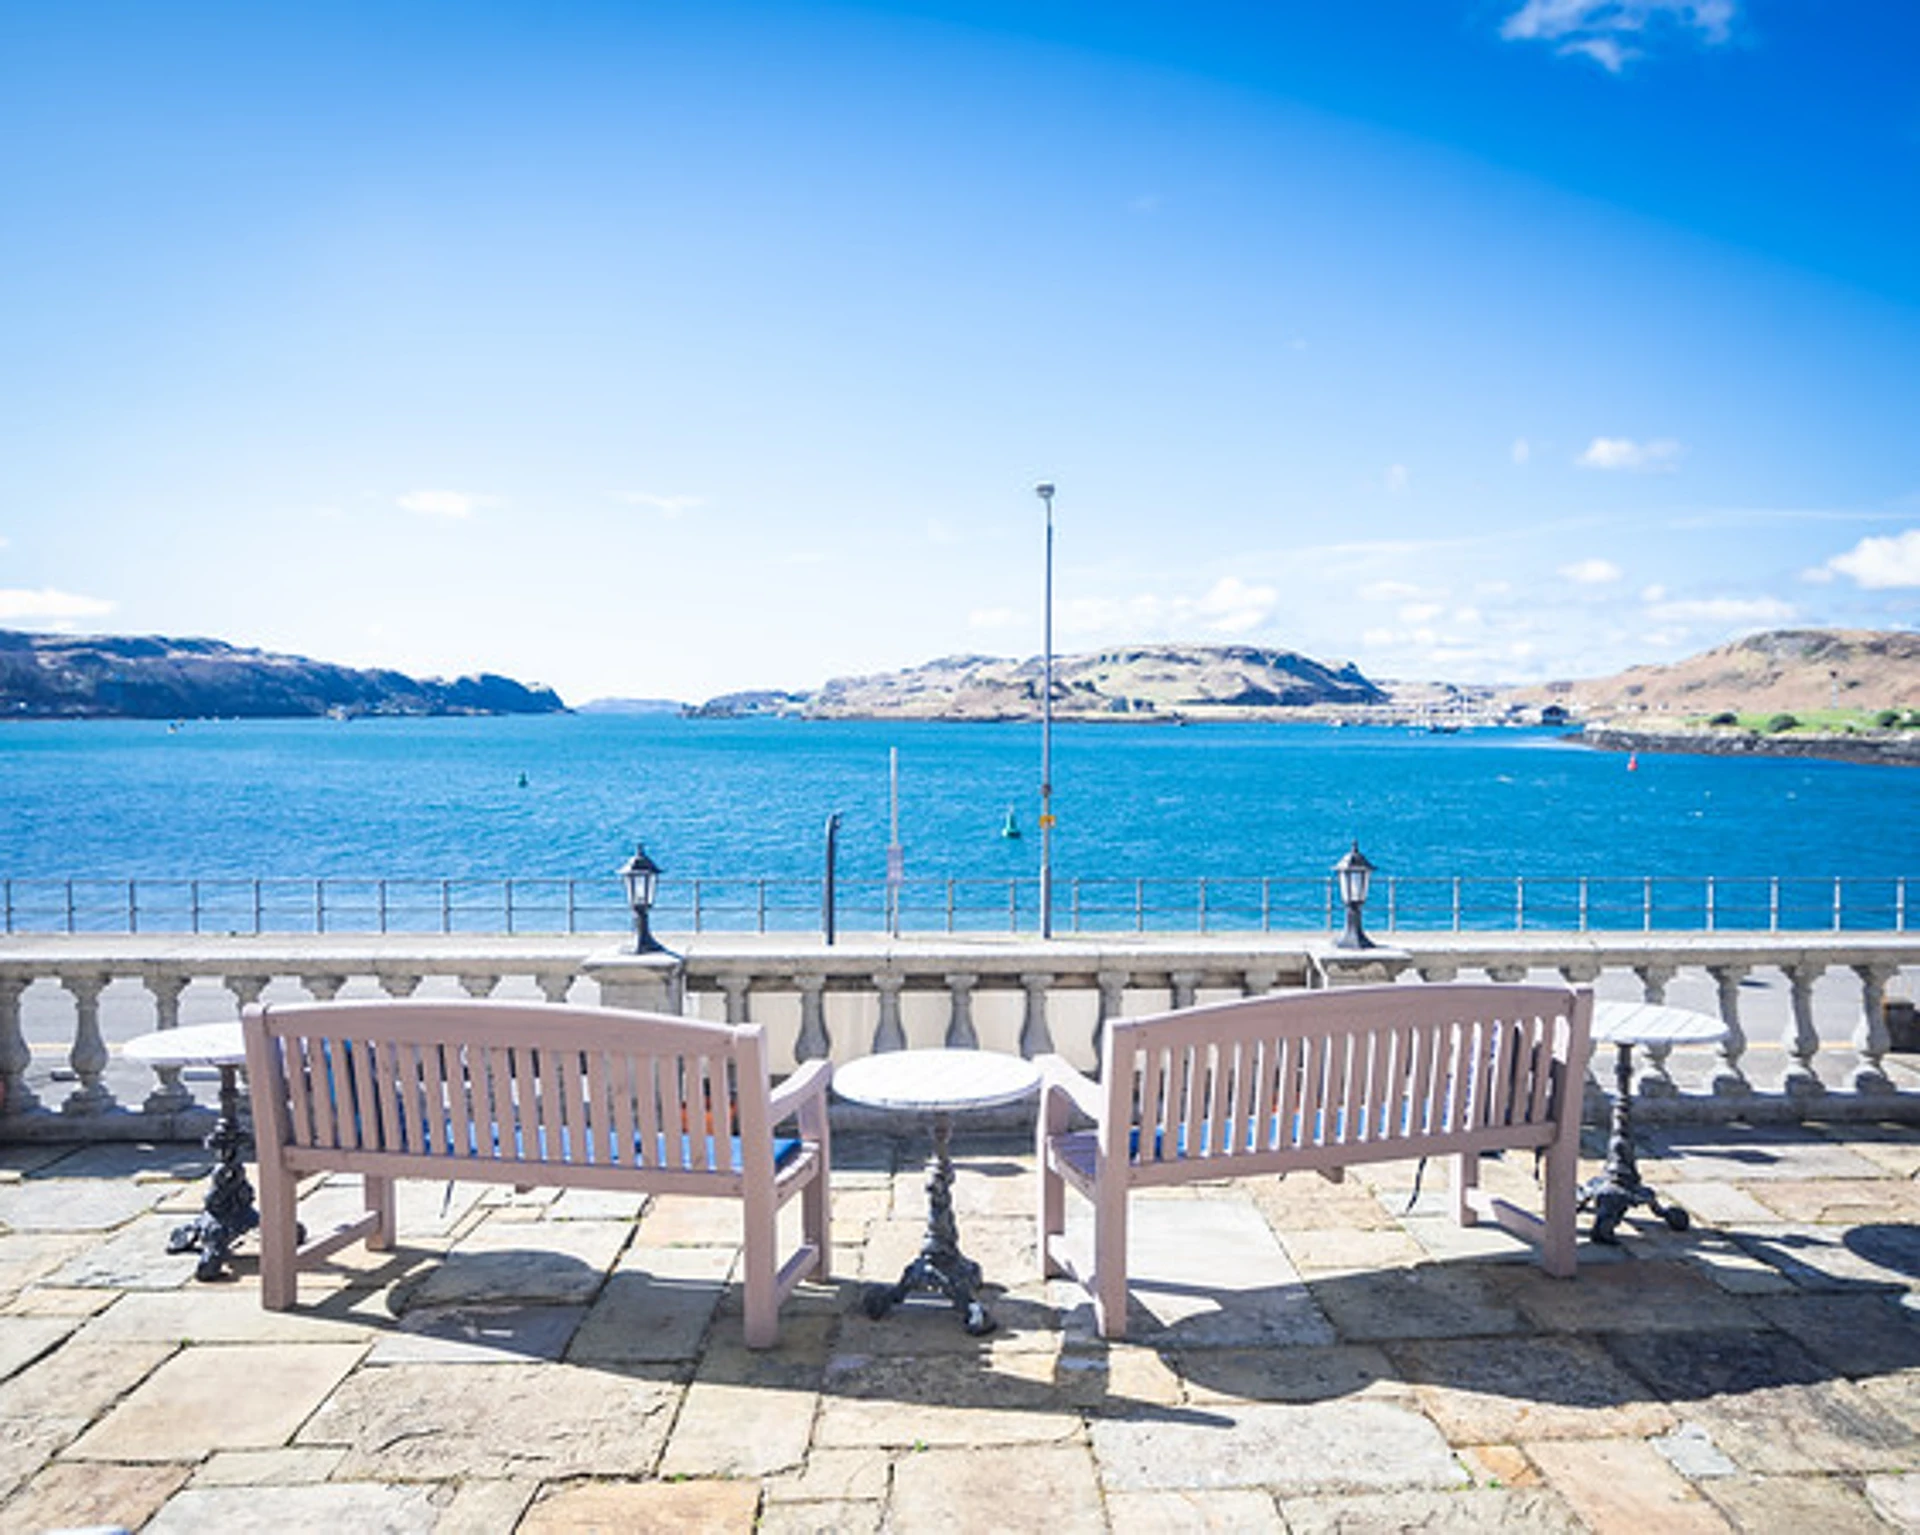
[1356, 874]
[641, 876]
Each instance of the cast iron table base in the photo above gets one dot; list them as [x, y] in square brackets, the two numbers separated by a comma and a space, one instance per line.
[1618, 1188]
[228, 1212]
[940, 1267]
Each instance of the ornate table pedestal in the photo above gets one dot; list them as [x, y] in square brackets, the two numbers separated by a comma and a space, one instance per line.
[228, 1212]
[940, 1083]
[1618, 1186]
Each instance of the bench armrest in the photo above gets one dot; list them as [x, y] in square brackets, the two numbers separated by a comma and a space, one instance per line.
[1058, 1080]
[805, 1086]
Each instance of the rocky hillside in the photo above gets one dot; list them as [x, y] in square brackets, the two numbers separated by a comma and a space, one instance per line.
[1137, 681]
[147, 677]
[1785, 670]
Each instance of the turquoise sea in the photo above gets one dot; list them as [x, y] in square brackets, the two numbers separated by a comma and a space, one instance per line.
[735, 812]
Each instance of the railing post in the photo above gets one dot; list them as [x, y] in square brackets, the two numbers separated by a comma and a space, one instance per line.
[193, 901]
[1709, 903]
[1583, 903]
[1013, 906]
[1075, 893]
[446, 906]
[760, 905]
[572, 907]
[1646, 903]
[1266, 904]
[1900, 904]
[319, 905]
[1836, 903]
[256, 908]
[1139, 905]
[1519, 903]
[1202, 913]
[9, 898]
[507, 898]
[949, 905]
[1773, 904]
[69, 906]
[1456, 903]
[133, 907]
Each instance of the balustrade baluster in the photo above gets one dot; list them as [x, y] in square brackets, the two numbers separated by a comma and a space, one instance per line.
[814, 1043]
[16, 1055]
[1656, 1079]
[1870, 1036]
[479, 985]
[888, 1033]
[171, 1095]
[1801, 1040]
[1035, 1037]
[1730, 1081]
[734, 987]
[89, 1056]
[960, 1031]
[1185, 985]
[399, 983]
[554, 985]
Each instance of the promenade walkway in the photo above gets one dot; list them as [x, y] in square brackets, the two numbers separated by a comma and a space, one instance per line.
[1305, 1357]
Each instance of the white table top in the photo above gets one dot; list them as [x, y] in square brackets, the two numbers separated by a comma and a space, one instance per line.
[936, 1079]
[1652, 1023]
[199, 1044]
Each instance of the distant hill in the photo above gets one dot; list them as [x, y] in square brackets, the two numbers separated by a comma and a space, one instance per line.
[148, 677]
[1785, 670]
[1136, 681]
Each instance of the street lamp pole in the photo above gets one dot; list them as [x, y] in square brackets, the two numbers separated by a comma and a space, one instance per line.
[1044, 491]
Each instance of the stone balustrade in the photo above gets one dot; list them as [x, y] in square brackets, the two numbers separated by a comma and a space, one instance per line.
[1806, 1028]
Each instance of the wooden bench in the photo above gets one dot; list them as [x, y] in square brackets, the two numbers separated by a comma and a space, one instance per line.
[532, 1095]
[1317, 1080]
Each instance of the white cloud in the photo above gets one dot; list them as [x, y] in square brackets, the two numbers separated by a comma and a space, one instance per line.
[1396, 478]
[1233, 607]
[1522, 450]
[1611, 32]
[1654, 593]
[994, 618]
[1880, 563]
[1595, 572]
[941, 532]
[451, 505]
[1723, 610]
[49, 604]
[1390, 591]
[1625, 453]
[1421, 612]
[666, 506]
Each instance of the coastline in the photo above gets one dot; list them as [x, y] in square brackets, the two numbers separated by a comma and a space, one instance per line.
[1889, 749]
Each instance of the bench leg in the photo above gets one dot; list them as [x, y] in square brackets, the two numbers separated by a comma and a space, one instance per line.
[1052, 1215]
[1110, 1260]
[279, 1238]
[1466, 1178]
[378, 1194]
[1559, 1248]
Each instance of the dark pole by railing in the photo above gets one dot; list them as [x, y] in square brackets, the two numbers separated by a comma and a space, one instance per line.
[826, 884]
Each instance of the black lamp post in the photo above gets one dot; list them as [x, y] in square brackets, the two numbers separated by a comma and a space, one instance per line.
[641, 875]
[1355, 874]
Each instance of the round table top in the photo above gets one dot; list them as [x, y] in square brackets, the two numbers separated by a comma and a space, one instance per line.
[1653, 1023]
[936, 1079]
[198, 1044]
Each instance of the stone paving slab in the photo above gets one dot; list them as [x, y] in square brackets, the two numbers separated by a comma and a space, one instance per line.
[1505, 1390]
[1031, 1490]
[1531, 1511]
[393, 1510]
[24, 1339]
[1328, 1447]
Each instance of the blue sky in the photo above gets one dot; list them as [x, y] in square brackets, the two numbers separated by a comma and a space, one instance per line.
[662, 349]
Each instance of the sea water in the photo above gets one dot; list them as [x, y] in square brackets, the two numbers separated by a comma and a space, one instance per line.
[1145, 814]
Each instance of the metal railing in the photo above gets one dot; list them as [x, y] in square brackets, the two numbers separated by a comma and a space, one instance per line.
[1203, 904]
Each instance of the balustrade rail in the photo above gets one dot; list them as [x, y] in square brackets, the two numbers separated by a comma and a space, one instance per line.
[1158, 904]
[1807, 1014]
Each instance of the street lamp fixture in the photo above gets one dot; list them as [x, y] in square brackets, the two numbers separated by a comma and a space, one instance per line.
[1355, 873]
[1044, 490]
[641, 875]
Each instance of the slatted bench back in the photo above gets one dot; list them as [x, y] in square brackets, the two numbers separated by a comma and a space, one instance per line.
[1327, 1078]
[487, 1090]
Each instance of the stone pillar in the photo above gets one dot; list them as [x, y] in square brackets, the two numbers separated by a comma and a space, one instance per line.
[734, 988]
[1800, 1039]
[642, 983]
[1580, 972]
[1329, 966]
[1656, 1079]
[888, 1033]
[1870, 1036]
[1437, 970]
[813, 1043]
[170, 1095]
[16, 1055]
[1510, 972]
[89, 1055]
[1035, 1037]
[1730, 1081]
[1112, 986]
[960, 1031]
[245, 989]
[1258, 981]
